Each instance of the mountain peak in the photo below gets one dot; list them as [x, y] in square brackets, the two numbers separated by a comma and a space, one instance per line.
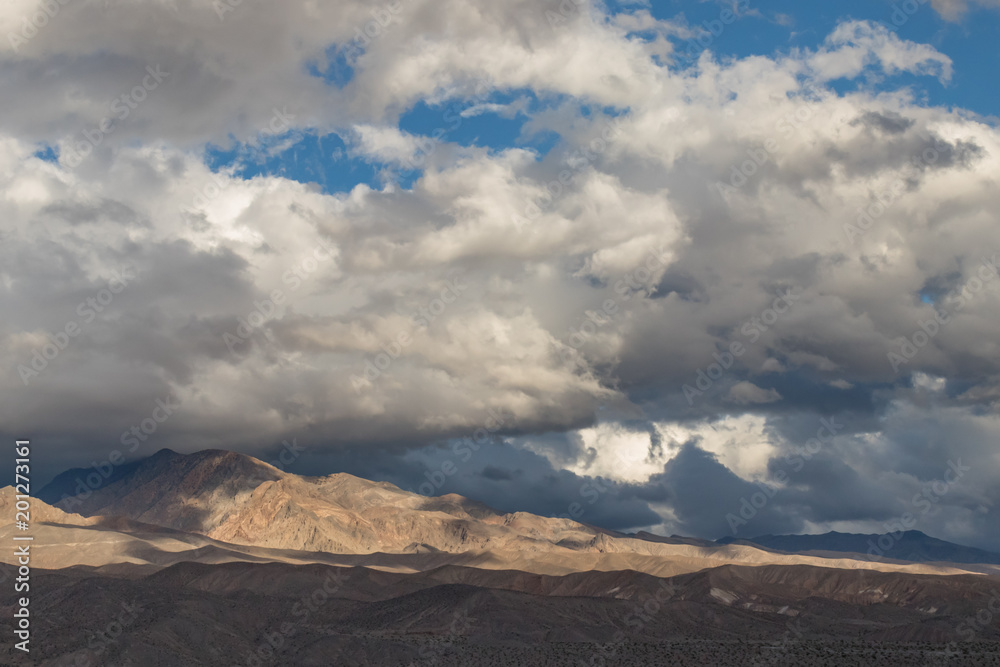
[239, 499]
[165, 452]
[176, 490]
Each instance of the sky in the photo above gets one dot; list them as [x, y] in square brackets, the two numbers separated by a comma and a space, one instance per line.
[702, 268]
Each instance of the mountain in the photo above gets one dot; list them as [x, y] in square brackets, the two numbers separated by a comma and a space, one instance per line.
[113, 544]
[216, 558]
[237, 500]
[78, 480]
[241, 500]
[912, 545]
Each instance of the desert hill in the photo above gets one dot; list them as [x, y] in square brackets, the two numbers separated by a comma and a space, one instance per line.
[253, 614]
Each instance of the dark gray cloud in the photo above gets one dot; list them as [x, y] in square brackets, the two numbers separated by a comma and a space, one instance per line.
[888, 122]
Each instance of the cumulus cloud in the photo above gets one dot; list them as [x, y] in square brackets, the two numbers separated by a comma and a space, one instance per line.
[856, 44]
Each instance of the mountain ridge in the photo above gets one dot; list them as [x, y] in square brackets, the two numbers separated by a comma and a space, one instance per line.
[239, 502]
[910, 545]
[239, 499]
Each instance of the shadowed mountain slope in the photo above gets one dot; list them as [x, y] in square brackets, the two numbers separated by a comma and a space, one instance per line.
[911, 545]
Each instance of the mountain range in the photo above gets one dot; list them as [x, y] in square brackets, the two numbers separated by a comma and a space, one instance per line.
[910, 545]
[262, 566]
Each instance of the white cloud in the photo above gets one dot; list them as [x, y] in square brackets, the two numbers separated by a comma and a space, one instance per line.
[953, 10]
[387, 144]
[743, 443]
[856, 44]
[615, 452]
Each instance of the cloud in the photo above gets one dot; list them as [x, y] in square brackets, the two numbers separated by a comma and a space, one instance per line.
[685, 480]
[745, 393]
[953, 10]
[576, 288]
[499, 473]
[855, 45]
[387, 144]
[615, 452]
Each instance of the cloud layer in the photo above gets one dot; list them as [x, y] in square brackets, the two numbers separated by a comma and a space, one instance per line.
[706, 263]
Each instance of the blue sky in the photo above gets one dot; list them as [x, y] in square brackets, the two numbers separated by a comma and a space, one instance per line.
[326, 159]
[781, 25]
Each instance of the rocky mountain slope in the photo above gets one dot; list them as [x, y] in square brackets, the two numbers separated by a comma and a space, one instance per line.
[217, 558]
[911, 545]
[237, 501]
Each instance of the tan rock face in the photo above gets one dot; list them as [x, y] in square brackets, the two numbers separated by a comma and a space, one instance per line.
[238, 499]
[39, 511]
[223, 506]
[345, 514]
